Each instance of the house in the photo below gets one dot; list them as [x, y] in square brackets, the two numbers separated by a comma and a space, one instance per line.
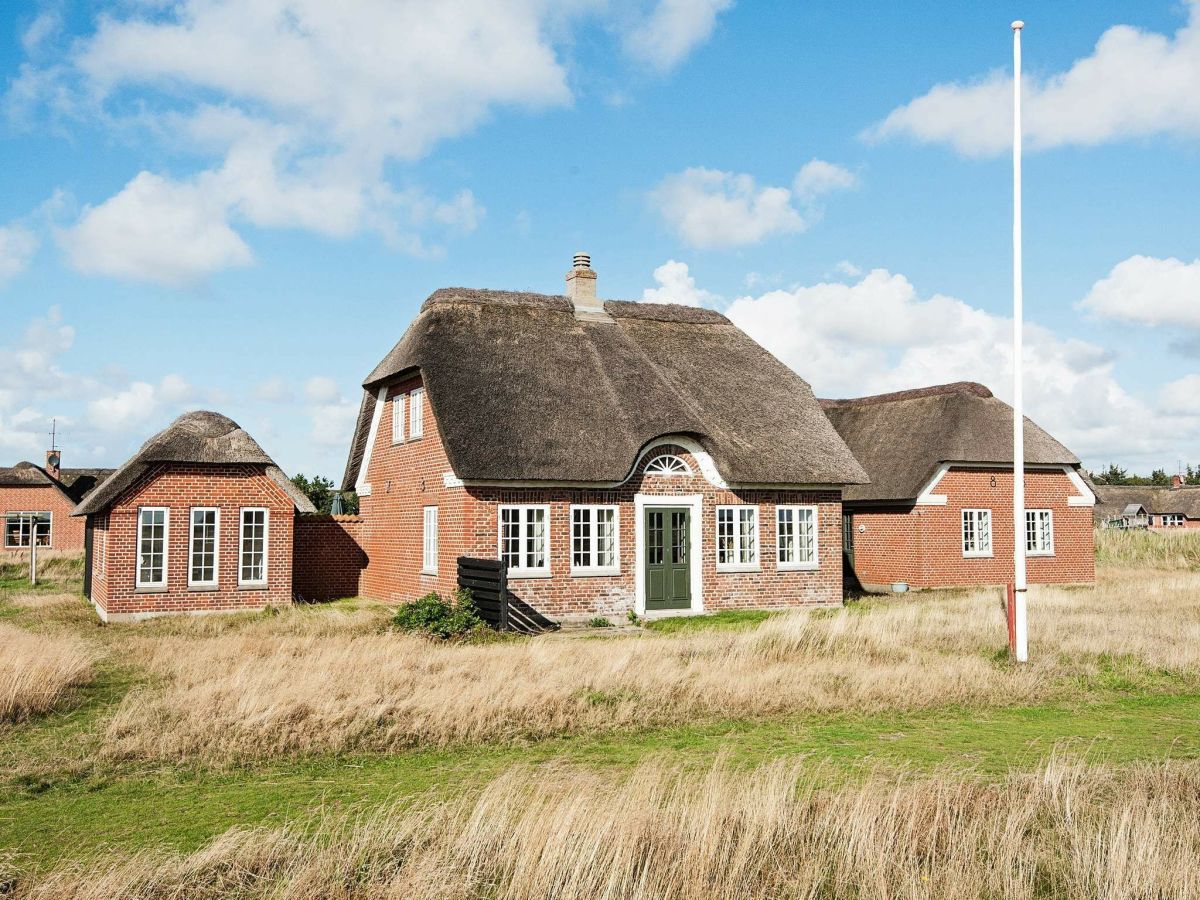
[1177, 506]
[938, 509]
[615, 455]
[36, 504]
[199, 520]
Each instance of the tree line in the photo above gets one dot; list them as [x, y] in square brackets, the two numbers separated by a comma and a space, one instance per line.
[1114, 474]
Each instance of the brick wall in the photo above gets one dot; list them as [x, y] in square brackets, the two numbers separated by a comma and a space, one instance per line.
[922, 545]
[408, 476]
[66, 533]
[329, 559]
[179, 488]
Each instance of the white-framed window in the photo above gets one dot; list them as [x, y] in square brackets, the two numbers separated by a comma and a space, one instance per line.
[203, 546]
[737, 538]
[1172, 520]
[525, 539]
[977, 532]
[154, 525]
[398, 419]
[21, 529]
[252, 547]
[416, 414]
[1039, 532]
[796, 537]
[429, 543]
[595, 540]
[668, 466]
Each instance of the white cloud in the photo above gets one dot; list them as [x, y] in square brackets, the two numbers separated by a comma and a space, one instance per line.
[673, 30]
[818, 177]
[17, 246]
[139, 404]
[847, 268]
[320, 389]
[676, 285]
[1135, 83]
[709, 208]
[1182, 396]
[1149, 291]
[156, 230]
[879, 335]
[273, 390]
[332, 416]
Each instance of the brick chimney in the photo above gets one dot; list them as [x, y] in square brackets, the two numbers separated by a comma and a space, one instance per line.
[1176, 482]
[581, 291]
[53, 462]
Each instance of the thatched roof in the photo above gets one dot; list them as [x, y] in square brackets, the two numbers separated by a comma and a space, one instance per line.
[902, 438]
[1113, 500]
[195, 437]
[74, 483]
[523, 391]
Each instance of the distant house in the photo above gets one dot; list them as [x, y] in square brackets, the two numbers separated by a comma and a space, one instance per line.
[1129, 506]
[615, 455]
[938, 509]
[36, 504]
[199, 520]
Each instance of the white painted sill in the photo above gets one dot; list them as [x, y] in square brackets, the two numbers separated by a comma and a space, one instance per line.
[988, 555]
[1034, 554]
[204, 586]
[520, 574]
[595, 573]
[429, 571]
[797, 567]
[733, 569]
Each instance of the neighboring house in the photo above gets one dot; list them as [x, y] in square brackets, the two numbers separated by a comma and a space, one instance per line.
[1177, 506]
[938, 509]
[199, 520]
[616, 455]
[36, 504]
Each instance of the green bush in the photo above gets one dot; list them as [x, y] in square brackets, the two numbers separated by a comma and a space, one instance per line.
[599, 622]
[438, 617]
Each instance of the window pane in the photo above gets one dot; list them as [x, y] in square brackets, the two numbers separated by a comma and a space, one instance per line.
[416, 413]
[678, 538]
[536, 533]
[654, 537]
[510, 536]
[785, 516]
[204, 546]
[430, 549]
[254, 545]
[397, 419]
[747, 536]
[581, 537]
[806, 536]
[985, 531]
[606, 537]
[725, 536]
[152, 539]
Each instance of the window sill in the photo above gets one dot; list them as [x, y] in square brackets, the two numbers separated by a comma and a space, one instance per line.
[978, 556]
[521, 574]
[201, 588]
[797, 567]
[157, 589]
[596, 573]
[429, 571]
[1029, 554]
[256, 586]
[733, 570]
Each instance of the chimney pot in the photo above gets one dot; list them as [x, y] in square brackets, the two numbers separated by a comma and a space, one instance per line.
[53, 463]
[1176, 481]
[581, 290]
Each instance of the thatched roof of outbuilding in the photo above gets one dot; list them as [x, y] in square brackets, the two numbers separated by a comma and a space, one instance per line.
[523, 391]
[195, 437]
[74, 483]
[902, 438]
[1112, 500]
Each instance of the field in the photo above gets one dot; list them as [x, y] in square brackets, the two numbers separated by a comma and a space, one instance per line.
[889, 748]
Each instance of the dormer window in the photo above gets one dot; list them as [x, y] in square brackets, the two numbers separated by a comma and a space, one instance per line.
[668, 466]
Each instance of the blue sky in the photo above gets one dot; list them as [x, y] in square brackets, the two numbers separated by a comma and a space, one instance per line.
[242, 205]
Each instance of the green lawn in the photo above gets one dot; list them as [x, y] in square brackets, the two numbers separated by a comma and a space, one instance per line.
[57, 802]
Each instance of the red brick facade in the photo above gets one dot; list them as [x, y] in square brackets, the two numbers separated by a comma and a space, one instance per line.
[923, 545]
[66, 533]
[406, 477]
[179, 488]
[329, 560]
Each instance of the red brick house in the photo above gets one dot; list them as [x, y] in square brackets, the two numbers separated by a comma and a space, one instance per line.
[616, 455]
[938, 509]
[199, 520]
[36, 504]
[1177, 506]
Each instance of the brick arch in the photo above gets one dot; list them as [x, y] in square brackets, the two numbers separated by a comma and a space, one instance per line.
[688, 448]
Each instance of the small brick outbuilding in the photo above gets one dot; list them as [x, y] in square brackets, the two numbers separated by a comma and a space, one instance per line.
[199, 520]
[36, 503]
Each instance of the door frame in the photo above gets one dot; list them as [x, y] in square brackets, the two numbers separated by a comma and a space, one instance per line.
[694, 503]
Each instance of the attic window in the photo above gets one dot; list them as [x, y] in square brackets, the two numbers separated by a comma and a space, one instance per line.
[668, 466]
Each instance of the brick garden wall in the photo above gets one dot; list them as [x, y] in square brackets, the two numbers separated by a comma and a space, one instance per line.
[922, 545]
[329, 559]
[66, 533]
[179, 488]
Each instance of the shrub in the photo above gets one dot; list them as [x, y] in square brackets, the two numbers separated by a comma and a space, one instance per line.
[599, 622]
[438, 617]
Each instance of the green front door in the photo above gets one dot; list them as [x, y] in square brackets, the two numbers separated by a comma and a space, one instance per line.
[667, 550]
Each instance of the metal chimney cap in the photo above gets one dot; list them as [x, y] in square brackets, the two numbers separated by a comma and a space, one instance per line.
[582, 261]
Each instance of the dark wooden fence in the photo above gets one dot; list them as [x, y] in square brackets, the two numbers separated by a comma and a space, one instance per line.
[487, 580]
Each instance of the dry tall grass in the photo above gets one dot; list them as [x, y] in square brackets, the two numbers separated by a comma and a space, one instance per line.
[1179, 549]
[1068, 831]
[259, 692]
[36, 671]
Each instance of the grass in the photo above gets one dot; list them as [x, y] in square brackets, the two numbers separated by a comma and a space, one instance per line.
[1148, 549]
[319, 736]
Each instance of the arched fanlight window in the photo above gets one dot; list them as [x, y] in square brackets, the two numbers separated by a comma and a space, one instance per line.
[668, 465]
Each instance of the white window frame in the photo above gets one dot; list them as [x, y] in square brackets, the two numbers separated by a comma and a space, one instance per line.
[975, 553]
[1049, 513]
[416, 414]
[166, 551]
[244, 582]
[741, 565]
[192, 546]
[29, 514]
[668, 465]
[398, 419]
[1177, 520]
[522, 571]
[796, 565]
[593, 549]
[429, 540]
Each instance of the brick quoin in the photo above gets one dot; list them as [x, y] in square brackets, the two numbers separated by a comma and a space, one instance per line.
[922, 545]
[66, 533]
[408, 476]
[180, 487]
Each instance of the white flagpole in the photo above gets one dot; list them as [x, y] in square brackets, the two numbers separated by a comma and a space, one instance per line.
[1021, 622]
